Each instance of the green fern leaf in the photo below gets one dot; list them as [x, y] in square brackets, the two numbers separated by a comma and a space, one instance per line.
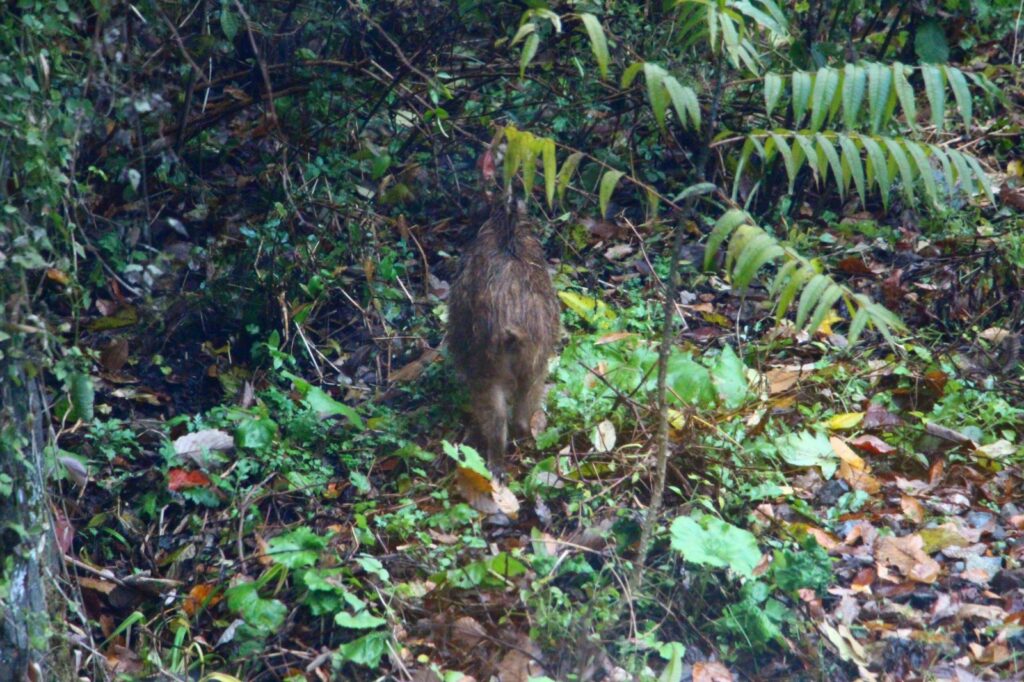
[899, 156]
[794, 284]
[806, 146]
[725, 226]
[528, 53]
[826, 82]
[878, 168]
[958, 84]
[801, 95]
[924, 170]
[857, 324]
[829, 152]
[936, 92]
[853, 164]
[879, 84]
[981, 176]
[783, 275]
[629, 75]
[550, 169]
[760, 250]
[810, 296]
[905, 93]
[788, 160]
[825, 303]
[855, 83]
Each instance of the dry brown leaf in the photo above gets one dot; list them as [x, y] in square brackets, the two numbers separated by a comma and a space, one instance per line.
[467, 632]
[907, 555]
[912, 509]
[852, 468]
[711, 671]
[486, 496]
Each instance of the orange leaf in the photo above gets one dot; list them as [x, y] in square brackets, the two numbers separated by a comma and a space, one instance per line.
[180, 479]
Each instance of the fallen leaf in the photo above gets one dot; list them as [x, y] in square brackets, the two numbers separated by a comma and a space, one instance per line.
[486, 496]
[907, 555]
[877, 417]
[207, 440]
[872, 444]
[913, 509]
[180, 479]
[200, 596]
[710, 671]
[847, 420]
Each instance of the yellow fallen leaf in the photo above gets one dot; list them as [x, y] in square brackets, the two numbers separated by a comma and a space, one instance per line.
[847, 420]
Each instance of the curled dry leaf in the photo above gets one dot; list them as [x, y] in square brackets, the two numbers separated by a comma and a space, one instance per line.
[206, 440]
[711, 671]
[907, 555]
[484, 495]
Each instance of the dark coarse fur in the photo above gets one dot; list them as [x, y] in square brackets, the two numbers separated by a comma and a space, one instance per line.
[502, 327]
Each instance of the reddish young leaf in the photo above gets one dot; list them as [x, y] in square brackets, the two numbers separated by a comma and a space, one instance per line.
[872, 444]
[180, 479]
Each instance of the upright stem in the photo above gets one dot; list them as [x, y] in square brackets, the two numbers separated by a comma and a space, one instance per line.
[667, 337]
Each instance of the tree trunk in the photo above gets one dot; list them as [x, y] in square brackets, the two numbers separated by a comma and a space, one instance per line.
[28, 554]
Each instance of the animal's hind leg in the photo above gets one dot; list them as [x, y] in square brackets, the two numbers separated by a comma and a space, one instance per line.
[526, 402]
[490, 416]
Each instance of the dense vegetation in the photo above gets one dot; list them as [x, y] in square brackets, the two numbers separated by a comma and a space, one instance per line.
[782, 437]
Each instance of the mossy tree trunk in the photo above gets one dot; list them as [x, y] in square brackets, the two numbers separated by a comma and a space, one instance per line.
[28, 554]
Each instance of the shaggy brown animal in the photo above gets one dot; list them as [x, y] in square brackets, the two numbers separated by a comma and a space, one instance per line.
[503, 325]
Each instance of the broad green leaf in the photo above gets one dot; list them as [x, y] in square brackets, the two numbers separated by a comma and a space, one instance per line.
[826, 82]
[83, 396]
[297, 548]
[930, 42]
[725, 226]
[708, 541]
[729, 375]
[593, 310]
[466, 457]
[514, 141]
[608, 182]
[744, 235]
[689, 382]
[550, 168]
[731, 38]
[772, 91]
[528, 53]
[359, 621]
[228, 21]
[566, 171]
[958, 84]
[265, 615]
[256, 433]
[763, 19]
[855, 83]
[801, 96]
[806, 449]
[598, 41]
[366, 650]
[948, 175]
[935, 89]
[905, 93]
[656, 93]
[324, 405]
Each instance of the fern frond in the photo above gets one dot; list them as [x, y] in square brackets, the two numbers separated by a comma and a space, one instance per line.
[663, 89]
[751, 248]
[871, 91]
[869, 163]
